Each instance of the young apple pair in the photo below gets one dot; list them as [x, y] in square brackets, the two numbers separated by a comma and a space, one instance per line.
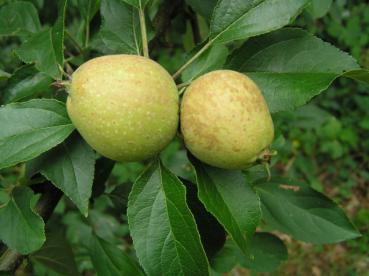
[127, 108]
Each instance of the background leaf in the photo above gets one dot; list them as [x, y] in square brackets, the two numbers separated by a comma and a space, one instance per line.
[39, 49]
[174, 157]
[4, 75]
[57, 33]
[203, 7]
[137, 3]
[30, 128]
[109, 260]
[46, 47]
[19, 18]
[21, 228]
[303, 213]
[213, 59]
[88, 8]
[162, 227]
[228, 196]
[120, 30]
[267, 250]
[319, 8]
[26, 82]
[290, 78]
[239, 19]
[56, 254]
[70, 167]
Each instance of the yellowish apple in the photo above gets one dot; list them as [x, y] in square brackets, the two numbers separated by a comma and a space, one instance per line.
[225, 121]
[124, 106]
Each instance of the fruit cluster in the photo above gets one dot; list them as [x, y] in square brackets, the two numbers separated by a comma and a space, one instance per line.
[127, 108]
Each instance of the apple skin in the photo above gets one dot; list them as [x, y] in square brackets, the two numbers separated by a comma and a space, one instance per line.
[225, 120]
[124, 106]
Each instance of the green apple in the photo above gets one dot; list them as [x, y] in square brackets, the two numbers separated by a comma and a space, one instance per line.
[225, 121]
[124, 106]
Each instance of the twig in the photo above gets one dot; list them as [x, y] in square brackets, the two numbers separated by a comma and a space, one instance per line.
[194, 26]
[163, 19]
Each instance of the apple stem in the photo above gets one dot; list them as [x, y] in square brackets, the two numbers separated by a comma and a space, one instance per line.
[181, 91]
[145, 44]
[183, 85]
[62, 85]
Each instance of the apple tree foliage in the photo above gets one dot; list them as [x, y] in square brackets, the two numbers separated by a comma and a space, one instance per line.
[184, 217]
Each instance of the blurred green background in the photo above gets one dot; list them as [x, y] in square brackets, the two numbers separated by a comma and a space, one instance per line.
[325, 143]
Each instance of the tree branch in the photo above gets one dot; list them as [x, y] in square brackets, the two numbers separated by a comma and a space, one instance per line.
[194, 26]
[163, 19]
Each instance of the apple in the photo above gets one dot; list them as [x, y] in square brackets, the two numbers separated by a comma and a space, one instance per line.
[124, 106]
[225, 120]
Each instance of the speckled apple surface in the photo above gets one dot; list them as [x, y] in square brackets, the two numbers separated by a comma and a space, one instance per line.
[225, 120]
[124, 106]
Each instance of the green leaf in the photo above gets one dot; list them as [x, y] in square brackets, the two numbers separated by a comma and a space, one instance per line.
[39, 49]
[179, 164]
[309, 116]
[162, 227]
[19, 19]
[212, 233]
[30, 128]
[319, 8]
[57, 33]
[267, 250]
[109, 260]
[228, 196]
[21, 228]
[70, 167]
[137, 3]
[4, 75]
[300, 211]
[56, 254]
[46, 47]
[240, 19]
[361, 75]
[213, 59]
[26, 82]
[268, 253]
[88, 8]
[120, 29]
[289, 79]
[203, 7]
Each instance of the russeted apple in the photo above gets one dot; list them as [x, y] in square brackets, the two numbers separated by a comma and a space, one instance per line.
[225, 121]
[124, 106]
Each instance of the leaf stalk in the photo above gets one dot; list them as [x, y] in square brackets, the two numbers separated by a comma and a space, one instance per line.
[145, 44]
[196, 56]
